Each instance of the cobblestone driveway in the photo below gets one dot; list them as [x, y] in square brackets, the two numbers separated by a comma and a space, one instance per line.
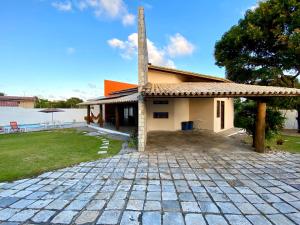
[161, 188]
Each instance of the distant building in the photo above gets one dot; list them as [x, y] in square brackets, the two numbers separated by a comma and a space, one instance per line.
[17, 101]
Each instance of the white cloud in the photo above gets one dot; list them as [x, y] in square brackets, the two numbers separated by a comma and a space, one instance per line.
[128, 19]
[113, 9]
[92, 86]
[62, 6]
[70, 50]
[178, 46]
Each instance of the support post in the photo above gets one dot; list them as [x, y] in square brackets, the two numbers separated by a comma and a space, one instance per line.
[259, 139]
[88, 116]
[117, 119]
[100, 121]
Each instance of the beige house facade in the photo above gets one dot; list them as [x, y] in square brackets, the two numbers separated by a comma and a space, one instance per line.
[166, 97]
[213, 114]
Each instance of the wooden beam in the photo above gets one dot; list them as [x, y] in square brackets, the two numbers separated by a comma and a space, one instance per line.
[88, 116]
[117, 119]
[100, 120]
[260, 125]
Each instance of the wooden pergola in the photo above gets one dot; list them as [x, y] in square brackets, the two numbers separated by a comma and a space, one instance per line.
[225, 90]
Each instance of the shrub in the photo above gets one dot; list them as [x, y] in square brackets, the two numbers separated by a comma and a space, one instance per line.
[245, 116]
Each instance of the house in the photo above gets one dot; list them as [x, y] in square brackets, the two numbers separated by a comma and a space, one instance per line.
[17, 101]
[166, 97]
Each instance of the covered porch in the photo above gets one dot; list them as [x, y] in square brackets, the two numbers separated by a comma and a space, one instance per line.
[201, 90]
[118, 113]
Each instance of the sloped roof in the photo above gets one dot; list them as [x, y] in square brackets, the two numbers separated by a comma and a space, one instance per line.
[216, 89]
[16, 98]
[187, 73]
[122, 99]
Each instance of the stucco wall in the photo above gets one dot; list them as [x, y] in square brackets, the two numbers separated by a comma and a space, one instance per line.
[162, 77]
[161, 123]
[32, 116]
[202, 112]
[181, 112]
[27, 104]
[229, 114]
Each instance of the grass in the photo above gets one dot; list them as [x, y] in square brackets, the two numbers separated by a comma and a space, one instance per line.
[25, 155]
[290, 143]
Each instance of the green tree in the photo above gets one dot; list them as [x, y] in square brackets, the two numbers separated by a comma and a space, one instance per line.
[264, 48]
[2, 94]
[72, 102]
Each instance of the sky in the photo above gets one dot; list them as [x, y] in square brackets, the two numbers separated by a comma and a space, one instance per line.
[58, 49]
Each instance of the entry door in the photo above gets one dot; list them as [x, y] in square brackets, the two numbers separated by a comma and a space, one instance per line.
[222, 114]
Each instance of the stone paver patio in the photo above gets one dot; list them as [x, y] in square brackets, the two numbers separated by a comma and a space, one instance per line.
[169, 188]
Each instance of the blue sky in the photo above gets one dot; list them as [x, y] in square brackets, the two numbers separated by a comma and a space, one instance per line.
[58, 49]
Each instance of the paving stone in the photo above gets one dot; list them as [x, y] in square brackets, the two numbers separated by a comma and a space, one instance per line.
[247, 208]
[22, 194]
[258, 220]
[23, 215]
[87, 217]
[57, 204]
[237, 219]
[151, 218]
[109, 217]
[187, 197]
[215, 220]
[102, 152]
[7, 213]
[130, 218]
[169, 196]
[194, 219]
[64, 217]
[171, 218]
[152, 206]
[154, 196]
[208, 207]
[77, 205]
[6, 201]
[23, 203]
[115, 204]
[43, 216]
[266, 208]
[190, 207]
[135, 205]
[170, 205]
[284, 207]
[39, 204]
[229, 208]
[294, 217]
[96, 205]
[279, 219]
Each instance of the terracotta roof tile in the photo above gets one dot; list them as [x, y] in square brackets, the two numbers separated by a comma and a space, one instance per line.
[216, 89]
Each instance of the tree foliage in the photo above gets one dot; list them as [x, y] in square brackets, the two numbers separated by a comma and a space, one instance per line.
[69, 103]
[263, 45]
[264, 48]
[245, 118]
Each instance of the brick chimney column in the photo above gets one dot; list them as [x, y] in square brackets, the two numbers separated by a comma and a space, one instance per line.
[143, 79]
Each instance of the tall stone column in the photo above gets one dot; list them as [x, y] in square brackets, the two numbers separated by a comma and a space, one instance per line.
[143, 79]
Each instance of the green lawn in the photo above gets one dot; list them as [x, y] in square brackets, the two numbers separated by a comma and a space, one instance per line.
[29, 154]
[290, 143]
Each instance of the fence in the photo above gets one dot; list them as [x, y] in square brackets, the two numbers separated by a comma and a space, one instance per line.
[33, 116]
[290, 119]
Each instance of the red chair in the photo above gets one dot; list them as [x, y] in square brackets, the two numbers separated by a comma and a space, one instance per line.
[14, 127]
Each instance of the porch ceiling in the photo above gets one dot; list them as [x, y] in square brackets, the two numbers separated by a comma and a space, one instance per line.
[216, 89]
[122, 99]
